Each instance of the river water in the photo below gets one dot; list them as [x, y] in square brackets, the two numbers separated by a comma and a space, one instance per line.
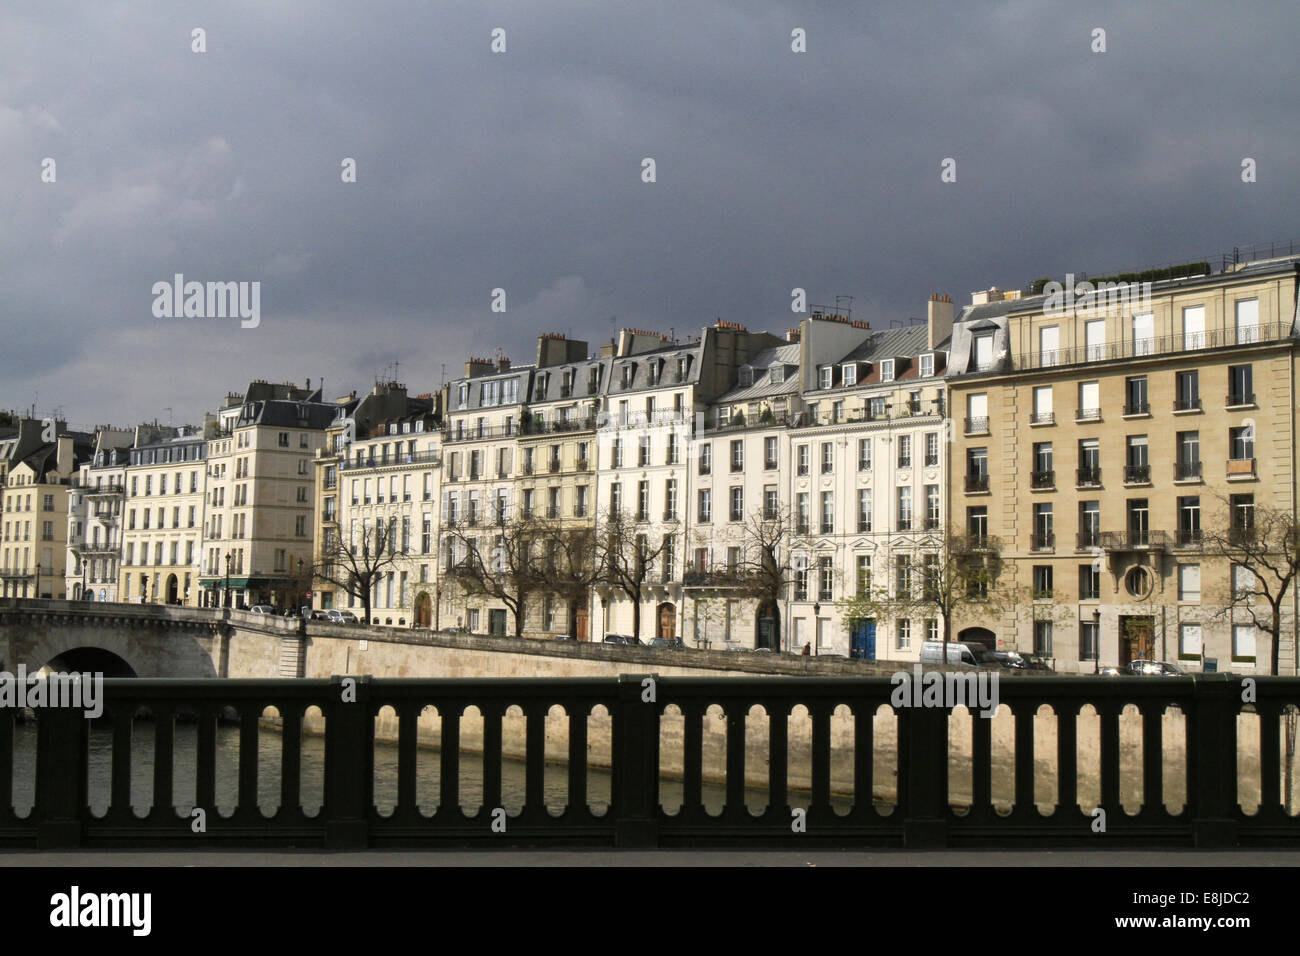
[185, 761]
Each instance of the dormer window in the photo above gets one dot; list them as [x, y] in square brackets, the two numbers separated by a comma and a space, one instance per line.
[776, 374]
[824, 376]
[627, 376]
[927, 365]
[724, 415]
[746, 377]
[850, 375]
[887, 370]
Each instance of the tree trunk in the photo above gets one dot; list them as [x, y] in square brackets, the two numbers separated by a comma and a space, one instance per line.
[636, 617]
[1277, 638]
[519, 618]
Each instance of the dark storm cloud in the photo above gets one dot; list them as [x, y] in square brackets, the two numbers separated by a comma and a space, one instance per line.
[522, 171]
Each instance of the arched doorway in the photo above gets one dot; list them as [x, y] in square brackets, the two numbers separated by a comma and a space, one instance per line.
[978, 635]
[666, 620]
[171, 589]
[767, 626]
[423, 609]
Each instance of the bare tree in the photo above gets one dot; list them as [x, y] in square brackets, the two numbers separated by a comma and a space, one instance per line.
[356, 563]
[511, 571]
[767, 559]
[628, 557]
[956, 574]
[572, 566]
[1265, 542]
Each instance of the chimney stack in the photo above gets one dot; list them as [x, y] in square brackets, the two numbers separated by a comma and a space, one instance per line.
[939, 314]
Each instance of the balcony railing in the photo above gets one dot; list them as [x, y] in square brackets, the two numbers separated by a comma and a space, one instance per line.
[1087, 540]
[1042, 541]
[1189, 538]
[418, 458]
[553, 466]
[1239, 399]
[801, 527]
[1137, 408]
[864, 526]
[975, 425]
[1088, 477]
[977, 482]
[1042, 418]
[1134, 540]
[904, 523]
[552, 511]
[1042, 479]
[1140, 348]
[1137, 474]
[1187, 404]
[1241, 467]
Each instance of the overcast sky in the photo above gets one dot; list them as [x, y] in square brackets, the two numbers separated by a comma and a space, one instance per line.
[522, 171]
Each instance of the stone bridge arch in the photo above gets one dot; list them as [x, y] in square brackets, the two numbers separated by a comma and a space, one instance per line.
[119, 642]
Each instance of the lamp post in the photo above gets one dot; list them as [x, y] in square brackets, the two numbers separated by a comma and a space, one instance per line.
[229, 559]
[817, 610]
[38, 580]
[304, 586]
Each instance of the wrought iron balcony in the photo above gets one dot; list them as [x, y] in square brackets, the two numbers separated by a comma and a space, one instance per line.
[1088, 477]
[974, 425]
[1187, 470]
[1042, 479]
[977, 482]
[1137, 474]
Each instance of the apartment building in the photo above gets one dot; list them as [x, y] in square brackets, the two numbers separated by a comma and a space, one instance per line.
[649, 434]
[1098, 439]
[95, 514]
[257, 530]
[485, 410]
[867, 488]
[33, 524]
[557, 460]
[380, 466]
[162, 519]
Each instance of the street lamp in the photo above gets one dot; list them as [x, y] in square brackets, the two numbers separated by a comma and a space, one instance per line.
[305, 589]
[229, 559]
[38, 580]
[817, 610]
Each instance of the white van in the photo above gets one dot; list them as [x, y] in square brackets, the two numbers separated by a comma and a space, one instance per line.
[974, 655]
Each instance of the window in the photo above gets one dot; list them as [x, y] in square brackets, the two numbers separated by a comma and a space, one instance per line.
[828, 512]
[1143, 333]
[670, 500]
[706, 458]
[876, 408]
[737, 509]
[1043, 406]
[932, 515]
[1187, 394]
[902, 575]
[1243, 642]
[977, 412]
[864, 510]
[770, 452]
[864, 454]
[1247, 321]
[1242, 511]
[1241, 443]
[1188, 463]
[977, 469]
[1042, 538]
[1043, 474]
[1189, 583]
[1243, 583]
[777, 374]
[616, 498]
[828, 457]
[1137, 466]
[984, 352]
[1088, 640]
[824, 376]
[737, 456]
[977, 524]
[1049, 341]
[1189, 640]
[904, 451]
[1043, 638]
[705, 508]
[800, 578]
[643, 501]
[932, 448]
[1189, 521]
[826, 578]
[1089, 401]
[864, 574]
[904, 509]
[1135, 395]
[771, 502]
[927, 365]
[802, 518]
[887, 370]
[1089, 524]
[903, 640]
[1089, 582]
[849, 374]
[1042, 580]
[1240, 385]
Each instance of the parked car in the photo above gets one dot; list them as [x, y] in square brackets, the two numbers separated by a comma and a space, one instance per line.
[1011, 659]
[1145, 668]
[1036, 663]
[621, 639]
[261, 609]
[565, 637]
[338, 616]
[320, 616]
[667, 642]
[974, 655]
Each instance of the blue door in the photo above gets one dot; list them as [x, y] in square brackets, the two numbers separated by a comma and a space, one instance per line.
[863, 640]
